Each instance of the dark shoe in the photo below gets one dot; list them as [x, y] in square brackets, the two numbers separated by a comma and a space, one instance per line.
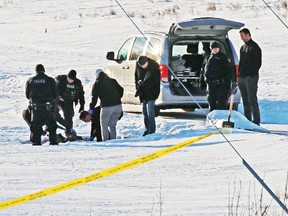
[256, 123]
[53, 143]
[36, 144]
[145, 133]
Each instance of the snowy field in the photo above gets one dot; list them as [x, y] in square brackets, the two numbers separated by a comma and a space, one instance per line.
[202, 179]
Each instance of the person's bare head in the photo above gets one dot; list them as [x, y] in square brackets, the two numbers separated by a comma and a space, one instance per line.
[245, 34]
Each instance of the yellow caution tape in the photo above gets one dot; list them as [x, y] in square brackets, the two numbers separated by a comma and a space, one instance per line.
[101, 174]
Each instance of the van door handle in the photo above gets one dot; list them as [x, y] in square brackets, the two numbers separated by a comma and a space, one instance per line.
[127, 67]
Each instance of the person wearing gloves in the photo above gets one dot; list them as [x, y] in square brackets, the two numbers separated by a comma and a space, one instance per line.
[147, 83]
[93, 115]
[71, 91]
[110, 93]
[57, 105]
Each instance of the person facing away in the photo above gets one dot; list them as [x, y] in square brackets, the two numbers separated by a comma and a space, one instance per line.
[41, 90]
[147, 84]
[217, 76]
[71, 91]
[110, 93]
[57, 105]
[93, 115]
[249, 65]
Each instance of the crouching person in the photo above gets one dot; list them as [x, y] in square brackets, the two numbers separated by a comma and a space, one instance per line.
[93, 115]
[57, 105]
[110, 93]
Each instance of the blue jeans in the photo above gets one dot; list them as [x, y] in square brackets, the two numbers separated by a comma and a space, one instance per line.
[149, 116]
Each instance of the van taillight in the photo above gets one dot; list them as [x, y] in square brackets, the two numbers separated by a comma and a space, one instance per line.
[236, 72]
[164, 73]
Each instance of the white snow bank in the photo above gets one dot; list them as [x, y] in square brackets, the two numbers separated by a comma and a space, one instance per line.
[216, 117]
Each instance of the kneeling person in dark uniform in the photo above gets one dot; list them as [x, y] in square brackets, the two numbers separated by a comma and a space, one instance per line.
[217, 76]
[41, 90]
[56, 107]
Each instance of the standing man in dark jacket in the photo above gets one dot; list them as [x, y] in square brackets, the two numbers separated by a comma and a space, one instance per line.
[110, 93]
[218, 76]
[249, 65]
[71, 91]
[147, 81]
[41, 90]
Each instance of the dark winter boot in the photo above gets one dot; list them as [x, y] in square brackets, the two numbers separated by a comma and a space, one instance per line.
[145, 133]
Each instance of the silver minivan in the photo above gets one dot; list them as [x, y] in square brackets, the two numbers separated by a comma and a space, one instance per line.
[181, 53]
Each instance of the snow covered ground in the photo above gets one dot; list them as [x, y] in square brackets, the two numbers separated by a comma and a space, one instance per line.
[197, 180]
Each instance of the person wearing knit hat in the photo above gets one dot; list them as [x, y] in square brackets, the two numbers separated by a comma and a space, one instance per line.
[110, 92]
[72, 74]
[214, 44]
[71, 91]
[98, 72]
[41, 90]
[218, 74]
[39, 68]
[147, 80]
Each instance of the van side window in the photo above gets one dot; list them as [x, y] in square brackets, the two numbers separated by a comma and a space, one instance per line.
[153, 49]
[123, 51]
[137, 48]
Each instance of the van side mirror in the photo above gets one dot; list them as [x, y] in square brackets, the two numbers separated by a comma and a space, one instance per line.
[110, 56]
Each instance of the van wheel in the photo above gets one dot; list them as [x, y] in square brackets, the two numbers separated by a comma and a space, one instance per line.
[156, 111]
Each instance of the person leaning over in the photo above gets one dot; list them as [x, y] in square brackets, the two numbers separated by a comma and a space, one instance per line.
[57, 105]
[217, 75]
[71, 91]
[41, 90]
[110, 93]
[147, 84]
[93, 116]
[249, 65]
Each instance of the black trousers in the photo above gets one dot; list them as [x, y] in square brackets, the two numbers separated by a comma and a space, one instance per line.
[217, 96]
[68, 112]
[41, 117]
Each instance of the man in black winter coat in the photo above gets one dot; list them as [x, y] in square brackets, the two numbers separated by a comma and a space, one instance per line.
[249, 65]
[41, 90]
[71, 91]
[110, 93]
[147, 83]
[218, 76]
